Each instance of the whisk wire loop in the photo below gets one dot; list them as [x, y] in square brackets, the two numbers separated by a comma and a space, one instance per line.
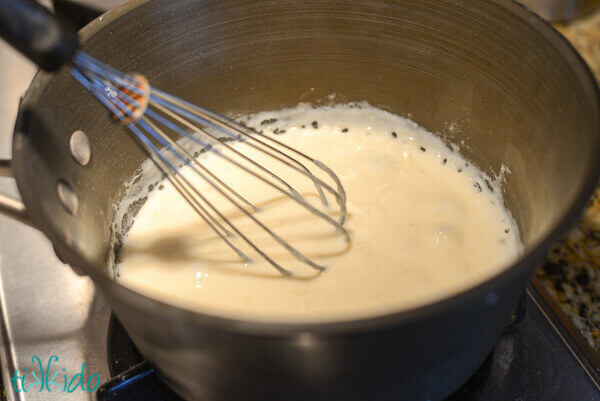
[147, 112]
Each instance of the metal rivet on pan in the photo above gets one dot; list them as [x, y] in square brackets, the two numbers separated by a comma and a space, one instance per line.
[67, 197]
[80, 147]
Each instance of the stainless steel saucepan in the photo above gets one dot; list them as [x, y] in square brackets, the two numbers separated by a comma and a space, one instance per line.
[484, 74]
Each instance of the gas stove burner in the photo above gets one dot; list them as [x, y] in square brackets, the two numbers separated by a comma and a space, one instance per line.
[134, 379]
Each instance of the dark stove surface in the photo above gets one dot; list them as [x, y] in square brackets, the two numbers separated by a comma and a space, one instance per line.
[529, 363]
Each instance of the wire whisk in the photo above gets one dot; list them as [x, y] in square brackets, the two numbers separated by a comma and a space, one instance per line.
[151, 115]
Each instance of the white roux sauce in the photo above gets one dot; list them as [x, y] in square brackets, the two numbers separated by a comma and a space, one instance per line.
[424, 225]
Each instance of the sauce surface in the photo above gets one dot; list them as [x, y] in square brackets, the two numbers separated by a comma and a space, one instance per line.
[424, 224]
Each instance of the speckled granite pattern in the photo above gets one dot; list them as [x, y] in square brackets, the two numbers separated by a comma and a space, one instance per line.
[584, 34]
[572, 271]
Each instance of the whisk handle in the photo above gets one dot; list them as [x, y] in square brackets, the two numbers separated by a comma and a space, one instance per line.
[36, 33]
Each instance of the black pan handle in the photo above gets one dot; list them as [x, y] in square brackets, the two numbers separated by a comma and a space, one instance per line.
[36, 33]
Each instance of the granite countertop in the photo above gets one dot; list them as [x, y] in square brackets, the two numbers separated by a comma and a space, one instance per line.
[572, 271]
